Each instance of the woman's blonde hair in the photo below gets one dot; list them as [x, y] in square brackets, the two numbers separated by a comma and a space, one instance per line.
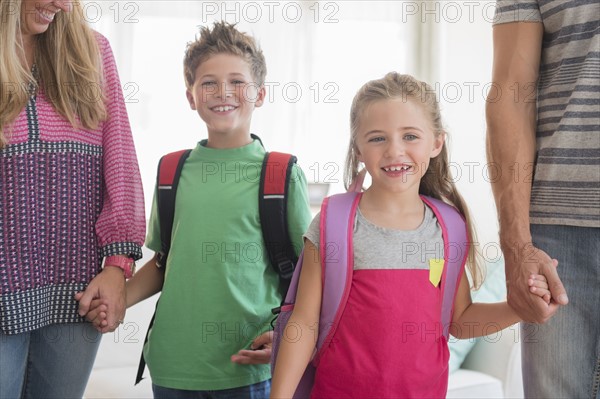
[437, 181]
[68, 63]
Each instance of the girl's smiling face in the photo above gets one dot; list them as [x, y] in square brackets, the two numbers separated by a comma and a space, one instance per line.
[396, 141]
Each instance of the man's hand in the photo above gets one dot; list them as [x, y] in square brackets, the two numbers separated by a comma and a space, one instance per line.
[260, 352]
[108, 287]
[521, 262]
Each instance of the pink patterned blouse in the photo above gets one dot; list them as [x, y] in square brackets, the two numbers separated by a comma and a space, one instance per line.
[68, 198]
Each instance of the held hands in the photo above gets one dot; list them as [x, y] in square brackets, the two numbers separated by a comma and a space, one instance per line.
[259, 352]
[103, 301]
[533, 272]
[538, 285]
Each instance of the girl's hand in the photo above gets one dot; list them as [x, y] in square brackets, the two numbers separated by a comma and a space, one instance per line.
[538, 285]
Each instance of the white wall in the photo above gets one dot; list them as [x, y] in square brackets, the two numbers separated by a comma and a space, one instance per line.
[316, 61]
[465, 65]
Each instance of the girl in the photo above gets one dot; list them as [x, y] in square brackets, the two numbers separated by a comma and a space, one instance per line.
[387, 344]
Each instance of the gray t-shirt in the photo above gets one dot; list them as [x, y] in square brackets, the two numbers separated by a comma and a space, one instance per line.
[566, 181]
[380, 248]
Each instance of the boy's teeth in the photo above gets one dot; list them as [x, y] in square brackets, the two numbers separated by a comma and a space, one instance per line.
[223, 109]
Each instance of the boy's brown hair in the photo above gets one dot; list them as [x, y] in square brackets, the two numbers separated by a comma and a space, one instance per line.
[224, 38]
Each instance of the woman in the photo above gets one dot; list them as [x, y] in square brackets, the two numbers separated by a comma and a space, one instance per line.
[70, 196]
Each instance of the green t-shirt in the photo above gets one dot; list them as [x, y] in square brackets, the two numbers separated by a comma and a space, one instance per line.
[219, 286]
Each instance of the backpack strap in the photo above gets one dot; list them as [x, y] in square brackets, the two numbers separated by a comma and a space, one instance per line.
[456, 250]
[272, 204]
[337, 262]
[336, 256]
[169, 171]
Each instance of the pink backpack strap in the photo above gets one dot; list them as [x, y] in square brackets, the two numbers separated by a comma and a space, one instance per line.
[337, 262]
[456, 250]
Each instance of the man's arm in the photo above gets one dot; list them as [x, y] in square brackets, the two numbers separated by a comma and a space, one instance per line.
[511, 147]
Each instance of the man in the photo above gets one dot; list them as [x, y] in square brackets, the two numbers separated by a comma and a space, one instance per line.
[544, 134]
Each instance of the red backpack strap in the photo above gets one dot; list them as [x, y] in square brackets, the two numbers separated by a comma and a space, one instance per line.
[456, 250]
[337, 262]
[169, 171]
[272, 204]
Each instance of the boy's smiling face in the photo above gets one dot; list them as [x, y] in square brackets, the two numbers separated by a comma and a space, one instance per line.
[225, 94]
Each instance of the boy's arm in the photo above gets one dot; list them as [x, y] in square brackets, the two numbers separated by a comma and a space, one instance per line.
[145, 283]
[294, 355]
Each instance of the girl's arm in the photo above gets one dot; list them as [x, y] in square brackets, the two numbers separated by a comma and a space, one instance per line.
[145, 283]
[472, 320]
[294, 355]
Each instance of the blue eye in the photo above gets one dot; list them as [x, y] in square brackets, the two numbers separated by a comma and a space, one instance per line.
[376, 139]
[209, 83]
[410, 137]
[238, 82]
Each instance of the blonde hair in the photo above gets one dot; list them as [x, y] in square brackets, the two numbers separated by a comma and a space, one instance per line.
[224, 38]
[437, 181]
[68, 62]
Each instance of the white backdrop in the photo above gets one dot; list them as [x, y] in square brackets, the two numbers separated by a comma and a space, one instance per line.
[318, 54]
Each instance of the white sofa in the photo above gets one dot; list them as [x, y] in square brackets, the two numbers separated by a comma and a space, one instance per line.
[492, 369]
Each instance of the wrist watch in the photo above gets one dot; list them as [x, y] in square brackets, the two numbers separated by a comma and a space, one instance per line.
[123, 262]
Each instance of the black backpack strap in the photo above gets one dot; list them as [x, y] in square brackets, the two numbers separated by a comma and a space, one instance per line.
[272, 204]
[169, 171]
[167, 180]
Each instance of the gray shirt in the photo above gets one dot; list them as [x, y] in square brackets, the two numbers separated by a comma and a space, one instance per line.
[376, 247]
[566, 180]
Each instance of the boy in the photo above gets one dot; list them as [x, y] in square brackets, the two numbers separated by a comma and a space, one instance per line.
[219, 287]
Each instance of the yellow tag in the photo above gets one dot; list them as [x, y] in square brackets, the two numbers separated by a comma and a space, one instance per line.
[436, 266]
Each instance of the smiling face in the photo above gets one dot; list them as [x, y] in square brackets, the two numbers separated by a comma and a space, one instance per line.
[225, 94]
[37, 15]
[396, 141]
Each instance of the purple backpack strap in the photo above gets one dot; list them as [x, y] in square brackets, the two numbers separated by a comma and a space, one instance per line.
[337, 262]
[335, 247]
[456, 249]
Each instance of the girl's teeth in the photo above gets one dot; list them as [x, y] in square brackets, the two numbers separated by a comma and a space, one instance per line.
[396, 168]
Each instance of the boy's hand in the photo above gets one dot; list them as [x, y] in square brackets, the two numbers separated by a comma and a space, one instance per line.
[98, 314]
[538, 285]
[260, 352]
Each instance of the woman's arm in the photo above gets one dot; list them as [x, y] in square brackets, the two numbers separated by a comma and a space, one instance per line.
[145, 283]
[294, 356]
